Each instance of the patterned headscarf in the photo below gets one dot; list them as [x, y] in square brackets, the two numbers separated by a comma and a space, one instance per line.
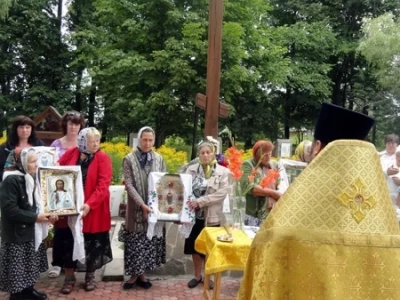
[301, 150]
[207, 167]
[82, 140]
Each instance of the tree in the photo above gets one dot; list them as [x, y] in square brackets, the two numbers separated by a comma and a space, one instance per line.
[4, 7]
[380, 46]
[34, 60]
[150, 59]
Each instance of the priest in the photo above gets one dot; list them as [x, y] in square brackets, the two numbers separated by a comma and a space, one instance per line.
[334, 233]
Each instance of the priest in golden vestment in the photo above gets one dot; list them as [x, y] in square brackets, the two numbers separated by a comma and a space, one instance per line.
[334, 233]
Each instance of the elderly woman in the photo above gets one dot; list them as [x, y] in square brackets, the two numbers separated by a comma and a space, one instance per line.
[141, 254]
[21, 135]
[210, 186]
[303, 151]
[71, 123]
[96, 173]
[262, 192]
[20, 263]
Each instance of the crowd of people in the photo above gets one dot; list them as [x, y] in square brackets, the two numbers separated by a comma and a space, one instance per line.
[24, 225]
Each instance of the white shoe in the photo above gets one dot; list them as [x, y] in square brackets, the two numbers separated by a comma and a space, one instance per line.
[54, 272]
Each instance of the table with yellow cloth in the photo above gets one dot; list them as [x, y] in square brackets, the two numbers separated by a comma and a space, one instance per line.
[221, 256]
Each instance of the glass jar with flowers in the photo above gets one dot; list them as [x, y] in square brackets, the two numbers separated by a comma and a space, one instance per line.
[237, 197]
[258, 172]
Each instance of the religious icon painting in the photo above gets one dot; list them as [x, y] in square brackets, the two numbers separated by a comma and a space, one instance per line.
[46, 156]
[58, 189]
[167, 194]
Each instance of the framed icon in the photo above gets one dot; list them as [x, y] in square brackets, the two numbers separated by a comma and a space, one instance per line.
[46, 156]
[58, 187]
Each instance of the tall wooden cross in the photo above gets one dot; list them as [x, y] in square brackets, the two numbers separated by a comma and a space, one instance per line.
[210, 101]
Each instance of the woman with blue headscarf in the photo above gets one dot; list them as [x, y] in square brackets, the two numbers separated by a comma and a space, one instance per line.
[23, 228]
[96, 174]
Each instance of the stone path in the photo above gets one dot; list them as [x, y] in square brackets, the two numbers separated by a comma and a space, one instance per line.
[169, 288]
[111, 278]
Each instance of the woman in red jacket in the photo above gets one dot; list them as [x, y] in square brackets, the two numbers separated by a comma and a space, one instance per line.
[96, 173]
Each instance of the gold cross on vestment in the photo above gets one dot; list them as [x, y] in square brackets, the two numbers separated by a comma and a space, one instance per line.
[357, 200]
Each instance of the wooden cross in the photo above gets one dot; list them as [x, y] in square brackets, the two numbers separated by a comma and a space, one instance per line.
[210, 102]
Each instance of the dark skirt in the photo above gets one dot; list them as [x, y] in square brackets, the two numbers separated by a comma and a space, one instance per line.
[20, 266]
[63, 247]
[190, 241]
[141, 254]
[98, 250]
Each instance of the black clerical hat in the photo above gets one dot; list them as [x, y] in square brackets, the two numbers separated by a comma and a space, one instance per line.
[338, 123]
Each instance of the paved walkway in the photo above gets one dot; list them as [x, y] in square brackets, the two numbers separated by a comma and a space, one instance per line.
[169, 288]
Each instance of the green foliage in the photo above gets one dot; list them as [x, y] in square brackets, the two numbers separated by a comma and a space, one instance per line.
[34, 60]
[380, 46]
[4, 6]
[179, 144]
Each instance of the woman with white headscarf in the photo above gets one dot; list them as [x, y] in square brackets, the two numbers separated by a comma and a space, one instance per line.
[141, 254]
[96, 174]
[23, 229]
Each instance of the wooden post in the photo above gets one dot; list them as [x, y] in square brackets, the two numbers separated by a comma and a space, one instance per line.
[215, 15]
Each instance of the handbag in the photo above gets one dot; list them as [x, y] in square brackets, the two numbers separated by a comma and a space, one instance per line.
[122, 233]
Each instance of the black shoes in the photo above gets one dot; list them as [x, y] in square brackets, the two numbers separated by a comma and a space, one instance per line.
[28, 293]
[143, 284]
[194, 282]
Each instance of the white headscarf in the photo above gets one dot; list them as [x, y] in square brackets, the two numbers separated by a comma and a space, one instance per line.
[29, 181]
[41, 229]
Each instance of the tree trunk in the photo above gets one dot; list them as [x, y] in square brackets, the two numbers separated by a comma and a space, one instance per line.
[92, 104]
[59, 16]
[78, 94]
[286, 108]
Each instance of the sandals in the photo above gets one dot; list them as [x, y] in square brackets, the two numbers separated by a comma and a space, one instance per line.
[54, 272]
[69, 283]
[90, 282]
[194, 282]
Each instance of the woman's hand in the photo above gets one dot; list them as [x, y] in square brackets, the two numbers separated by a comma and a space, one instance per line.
[271, 203]
[53, 219]
[146, 210]
[41, 218]
[85, 209]
[193, 205]
[392, 171]
[396, 180]
[275, 195]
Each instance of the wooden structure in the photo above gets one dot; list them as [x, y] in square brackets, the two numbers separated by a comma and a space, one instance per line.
[210, 101]
[48, 125]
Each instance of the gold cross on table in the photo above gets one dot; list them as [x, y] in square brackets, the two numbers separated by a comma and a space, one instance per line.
[357, 200]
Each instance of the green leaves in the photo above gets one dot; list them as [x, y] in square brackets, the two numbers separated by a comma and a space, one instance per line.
[380, 46]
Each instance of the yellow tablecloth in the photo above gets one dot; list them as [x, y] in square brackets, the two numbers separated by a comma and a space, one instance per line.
[223, 256]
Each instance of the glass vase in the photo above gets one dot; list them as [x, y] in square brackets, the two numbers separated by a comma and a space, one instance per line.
[238, 206]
